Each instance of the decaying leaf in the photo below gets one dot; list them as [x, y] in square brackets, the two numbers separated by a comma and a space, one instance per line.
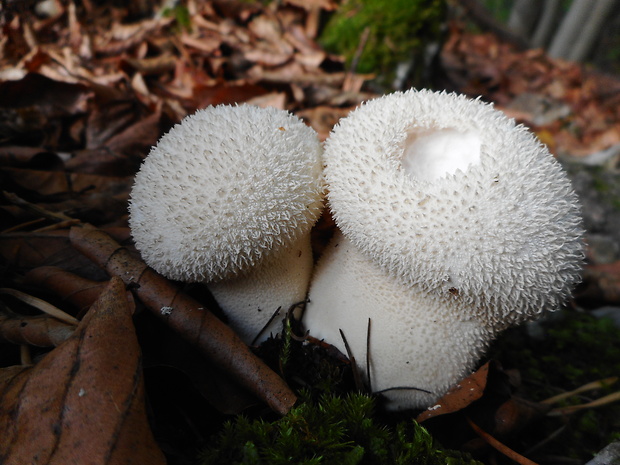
[70, 287]
[84, 401]
[41, 331]
[460, 396]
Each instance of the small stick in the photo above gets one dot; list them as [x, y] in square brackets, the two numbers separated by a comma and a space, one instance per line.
[608, 399]
[500, 447]
[42, 305]
[356, 374]
[368, 356]
[586, 387]
[346, 85]
[31, 207]
[188, 317]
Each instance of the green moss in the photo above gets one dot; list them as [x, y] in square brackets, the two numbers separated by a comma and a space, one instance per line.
[182, 17]
[600, 185]
[398, 30]
[574, 349]
[334, 430]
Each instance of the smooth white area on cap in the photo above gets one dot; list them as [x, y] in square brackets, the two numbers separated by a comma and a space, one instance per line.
[434, 153]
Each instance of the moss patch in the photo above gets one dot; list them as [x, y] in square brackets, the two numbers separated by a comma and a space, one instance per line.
[572, 349]
[398, 30]
[334, 430]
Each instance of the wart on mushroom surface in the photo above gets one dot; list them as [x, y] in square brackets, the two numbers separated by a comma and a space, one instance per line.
[228, 197]
[456, 223]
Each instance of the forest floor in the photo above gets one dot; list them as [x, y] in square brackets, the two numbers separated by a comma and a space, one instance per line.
[86, 90]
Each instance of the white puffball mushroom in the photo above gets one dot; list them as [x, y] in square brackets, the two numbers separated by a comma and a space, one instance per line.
[228, 197]
[458, 209]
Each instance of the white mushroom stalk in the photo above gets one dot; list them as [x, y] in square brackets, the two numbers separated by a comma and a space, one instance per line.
[464, 224]
[228, 198]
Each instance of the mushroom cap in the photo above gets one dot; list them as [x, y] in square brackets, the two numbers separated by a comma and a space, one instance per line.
[225, 188]
[500, 231]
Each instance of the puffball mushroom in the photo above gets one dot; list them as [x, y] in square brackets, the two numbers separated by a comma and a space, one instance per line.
[456, 223]
[228, 198]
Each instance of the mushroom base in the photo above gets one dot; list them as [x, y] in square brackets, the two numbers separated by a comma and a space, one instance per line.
[267, 290]
[418, 341]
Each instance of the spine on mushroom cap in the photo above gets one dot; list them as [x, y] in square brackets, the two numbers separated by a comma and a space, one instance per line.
[500, 231]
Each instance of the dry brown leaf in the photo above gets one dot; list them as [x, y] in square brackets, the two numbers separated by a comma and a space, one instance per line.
[30, 250]
[25, 251]
[84, 402]
[49, 96]
[23, 156]
[47, 183]
[323, 118]
[72, 288]
[226, 93]
[603, 282]
[39, 331]
[460, 396]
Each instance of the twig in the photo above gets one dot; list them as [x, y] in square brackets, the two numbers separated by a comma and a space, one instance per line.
[31, 207]
[368, 356]
[273, 316]
[186, 316]
[346, 85]
[42, 305]
[500, 447]
[357, 379]
[608, 399]
[586, 387]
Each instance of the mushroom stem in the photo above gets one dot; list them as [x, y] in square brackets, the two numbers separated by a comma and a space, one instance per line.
[407, 325]
[269, 289]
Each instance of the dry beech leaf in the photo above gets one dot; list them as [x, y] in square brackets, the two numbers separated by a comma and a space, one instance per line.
[72, 288]
[84, 401]
[52, 248]
[460, 396]
[53, 183]
[604, 281]
[40, 331]
[29, 250]
[47, 94]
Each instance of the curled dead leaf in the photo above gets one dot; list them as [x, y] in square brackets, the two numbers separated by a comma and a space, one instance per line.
[84, 401]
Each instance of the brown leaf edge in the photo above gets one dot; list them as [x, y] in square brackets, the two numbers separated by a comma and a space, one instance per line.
[460, 396]
[40, 330]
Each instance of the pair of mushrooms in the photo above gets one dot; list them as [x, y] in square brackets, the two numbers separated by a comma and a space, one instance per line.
[453, 224]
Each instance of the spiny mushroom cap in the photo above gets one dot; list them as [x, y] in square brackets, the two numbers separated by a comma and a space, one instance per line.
[223, 189]
[496, 225]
